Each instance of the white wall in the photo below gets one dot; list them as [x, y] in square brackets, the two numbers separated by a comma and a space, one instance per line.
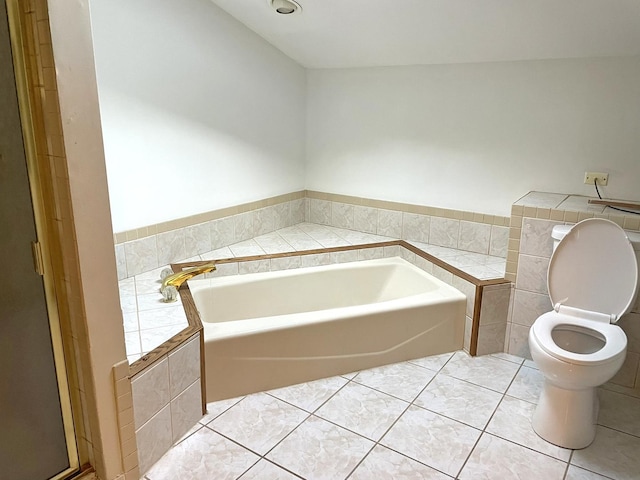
[474, 136]
[198, 112]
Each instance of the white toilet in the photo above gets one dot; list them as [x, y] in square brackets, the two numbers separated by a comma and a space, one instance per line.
[592, 281]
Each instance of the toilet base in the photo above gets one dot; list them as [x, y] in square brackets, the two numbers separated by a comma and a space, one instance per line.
[566, 418]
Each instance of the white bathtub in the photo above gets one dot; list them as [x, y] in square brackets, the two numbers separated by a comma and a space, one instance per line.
[267, 330]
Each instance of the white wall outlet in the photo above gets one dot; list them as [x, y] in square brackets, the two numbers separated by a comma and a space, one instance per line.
[591, 177]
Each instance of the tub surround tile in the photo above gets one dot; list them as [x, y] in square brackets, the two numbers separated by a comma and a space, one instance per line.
[128, 304]
[130, 322]
[273, 243]
[121, 261]
[487, 371]
[132, 342]
[186, 410]
[141, 255]
[217, 254]
[320, 211]
[389, 223]
[184, 366]
[150, 391]
[342, 215]
[444, 232]
[265, 470]
[243, 225]
[415, 227]
[226, 269]
[424, 264]
[432, 439]
[474, 237]
[487, 462]
[153, 301]
[362, 410]
[542, 199]
[385, 464]
[154, 439]
[162, 317]
[264, 220]
[316, 260]
[612, 454]
[495, 304]
[205, 454]
[512, 421]
[310, 396]
[285, 263]
[365, 219]
[171, 247]
[246, 248]
[370, 253]
[320, 450]
[153, 337]
[459, 400]
[302, 241]
[491, 338]
[344, 257]
[577, 203]
[527, 385]
[197, 239]
[149, 282]
[402, 380]
[297, 210]
[499, 241]
[222, 232]
[259, 422]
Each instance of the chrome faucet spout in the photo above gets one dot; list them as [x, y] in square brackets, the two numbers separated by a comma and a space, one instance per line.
[171, 283]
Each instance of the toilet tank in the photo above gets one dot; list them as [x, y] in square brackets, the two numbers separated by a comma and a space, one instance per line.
[559, 232]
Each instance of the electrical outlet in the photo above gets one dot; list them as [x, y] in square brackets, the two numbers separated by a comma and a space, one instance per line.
[591, 177]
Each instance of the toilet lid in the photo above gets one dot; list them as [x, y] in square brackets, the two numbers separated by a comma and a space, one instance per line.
[594, 268]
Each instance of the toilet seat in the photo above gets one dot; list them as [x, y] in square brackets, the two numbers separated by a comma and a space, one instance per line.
[615, 341]
[594, 269]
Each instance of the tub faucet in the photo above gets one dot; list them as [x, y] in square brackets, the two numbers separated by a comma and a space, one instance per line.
[171, 282]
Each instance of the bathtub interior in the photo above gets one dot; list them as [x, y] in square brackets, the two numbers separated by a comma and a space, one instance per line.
[312, 289]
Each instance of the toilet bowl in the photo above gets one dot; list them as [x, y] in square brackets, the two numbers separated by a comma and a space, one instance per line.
[592, 281]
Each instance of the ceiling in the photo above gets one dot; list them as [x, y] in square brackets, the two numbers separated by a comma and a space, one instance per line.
[360, 33]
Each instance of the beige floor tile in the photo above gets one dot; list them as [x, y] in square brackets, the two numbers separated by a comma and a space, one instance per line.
[363, 410]
[385, 464]
[311, 395]
[512, 421]
[258, 422]
[319, 450]
[202, 456]
[403, 380]
[613, 454]
[459, 400]
[432, 439]
[496, 459]
[486, 371]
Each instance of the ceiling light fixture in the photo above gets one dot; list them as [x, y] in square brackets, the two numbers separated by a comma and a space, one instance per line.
[285, 7]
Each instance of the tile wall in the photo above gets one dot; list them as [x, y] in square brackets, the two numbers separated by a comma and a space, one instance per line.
[530, 247]
[167, 402]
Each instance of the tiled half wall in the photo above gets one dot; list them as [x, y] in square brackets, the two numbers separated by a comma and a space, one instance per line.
[530, 247]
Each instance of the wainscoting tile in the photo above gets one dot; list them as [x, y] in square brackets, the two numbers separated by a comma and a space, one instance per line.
[255, 266]
[150, 391]
[316, 260]
[370, 253]
[320, 450]
[121, 261]
[285, 263]
[532, 274]
[186, 410]
[320, 211]
[495, 304]
[487, 462]
[282, 215]
[528, 306]
[491, 338]
[344, 257]
[619, 412]
[536, 237]
[264, 220]
[243, 226]
[519, 341]
[297, 209]
[154, 439]
[171, 247]
[184, 366]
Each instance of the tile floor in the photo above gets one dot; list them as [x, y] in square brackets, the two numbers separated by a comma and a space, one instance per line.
[440, 417]
[148, 321]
